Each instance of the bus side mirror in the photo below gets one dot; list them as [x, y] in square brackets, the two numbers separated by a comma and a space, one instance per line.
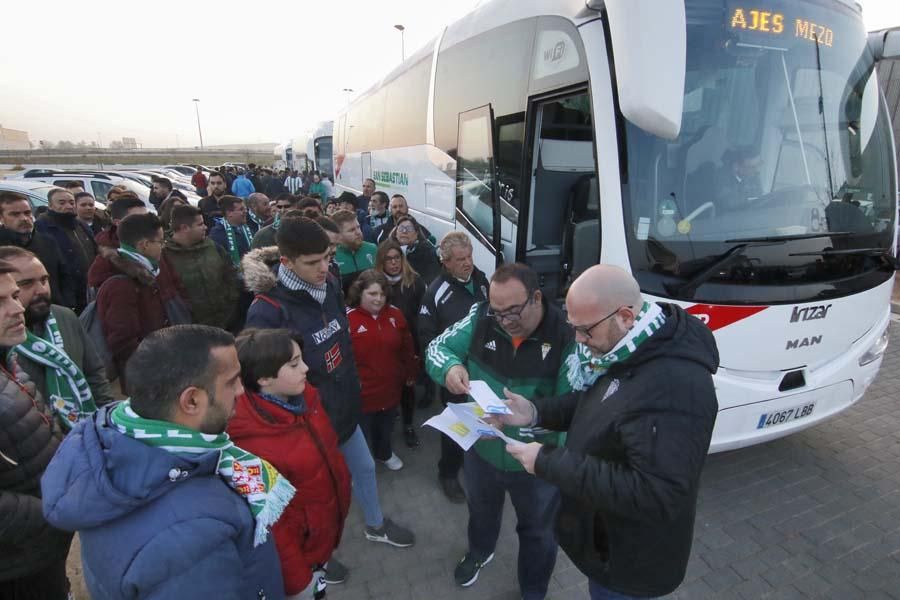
[649, 42]
[885, 44]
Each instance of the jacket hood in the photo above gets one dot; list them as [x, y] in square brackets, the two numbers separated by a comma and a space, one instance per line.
[111, 263]
[682, 336]
[259, 269]
[176, 248]
[99, 475]
[247, 420]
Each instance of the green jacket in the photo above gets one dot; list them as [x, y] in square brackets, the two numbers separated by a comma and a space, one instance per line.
[536, 369]
[353, 263]
[81, 350]
[210, 279]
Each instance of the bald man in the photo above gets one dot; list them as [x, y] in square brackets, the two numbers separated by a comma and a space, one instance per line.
[259, 212]
[639, 426]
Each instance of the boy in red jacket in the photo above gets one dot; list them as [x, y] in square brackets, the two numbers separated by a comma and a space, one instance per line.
[385, 358]
[280, 418]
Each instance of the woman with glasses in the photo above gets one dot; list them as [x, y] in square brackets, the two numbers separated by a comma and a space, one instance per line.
[385, 358]
[405, 291]
[421, 254]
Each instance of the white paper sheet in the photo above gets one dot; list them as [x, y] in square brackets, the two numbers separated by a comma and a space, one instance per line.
[482, 393]
[462, 424]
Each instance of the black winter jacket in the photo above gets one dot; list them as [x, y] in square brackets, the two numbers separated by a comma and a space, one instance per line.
[327, 349]
[77, 248]
[44, 247]
[409, 299]
[445, 302]
[630, 469]
[29, 436]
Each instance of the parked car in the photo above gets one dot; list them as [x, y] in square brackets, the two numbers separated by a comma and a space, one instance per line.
[97, 184]
[36, 191]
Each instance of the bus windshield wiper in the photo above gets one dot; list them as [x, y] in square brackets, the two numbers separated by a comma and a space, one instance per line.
[687, 289]
[884, 254]
[790, 238]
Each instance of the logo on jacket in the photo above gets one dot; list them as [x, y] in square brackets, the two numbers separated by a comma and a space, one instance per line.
[545, 350]
[333, 358]
[329, 330]
[612, 389]
[393, 322]
[362, 329]
[491, 345]
[424, 311]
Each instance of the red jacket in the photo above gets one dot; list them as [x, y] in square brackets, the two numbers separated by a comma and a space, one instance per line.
[131, 308]
[304, 448]
[385, 356]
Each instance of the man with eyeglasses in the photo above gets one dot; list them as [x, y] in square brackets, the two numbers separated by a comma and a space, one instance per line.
[517, 341]
[638, 424]
[448, 299]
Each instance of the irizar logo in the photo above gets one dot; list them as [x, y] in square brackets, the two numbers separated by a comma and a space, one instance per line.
[803, 342]
[810, 313]
[491, 345]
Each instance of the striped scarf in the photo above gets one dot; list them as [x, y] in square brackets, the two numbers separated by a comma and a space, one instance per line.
[131, 253]
[290, 280]
[266, 491]
[70, 396]
[584, 369]
[233, 249]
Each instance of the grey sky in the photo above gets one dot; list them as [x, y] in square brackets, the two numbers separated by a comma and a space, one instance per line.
[263, 71]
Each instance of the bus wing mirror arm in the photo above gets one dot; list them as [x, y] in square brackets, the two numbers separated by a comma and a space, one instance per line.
[885, 44]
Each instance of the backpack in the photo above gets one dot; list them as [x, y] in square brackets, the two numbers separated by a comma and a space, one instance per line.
[90, 322]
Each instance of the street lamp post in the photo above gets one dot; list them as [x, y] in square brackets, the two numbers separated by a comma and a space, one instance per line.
[199, 129]
[401, 29]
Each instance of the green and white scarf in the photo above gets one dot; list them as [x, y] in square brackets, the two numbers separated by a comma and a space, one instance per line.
[232, 243]
[584, 369]
[70, 396]
[131, 252]
[266, 491]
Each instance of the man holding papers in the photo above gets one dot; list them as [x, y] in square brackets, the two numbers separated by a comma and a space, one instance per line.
[517, 341]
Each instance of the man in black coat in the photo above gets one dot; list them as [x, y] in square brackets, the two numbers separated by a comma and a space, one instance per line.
[32, 553]
[18, 230]
[639, 430]
[446, 301]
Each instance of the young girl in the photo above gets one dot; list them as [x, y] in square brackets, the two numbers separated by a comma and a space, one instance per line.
[405, 291]
[385, 358]
[280, 418]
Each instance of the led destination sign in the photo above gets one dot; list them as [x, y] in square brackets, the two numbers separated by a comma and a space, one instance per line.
[776, 24]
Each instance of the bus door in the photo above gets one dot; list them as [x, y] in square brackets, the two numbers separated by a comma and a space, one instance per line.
[477, 209]
[560, 233]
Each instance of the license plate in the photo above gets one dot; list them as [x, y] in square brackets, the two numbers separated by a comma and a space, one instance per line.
[785, 416]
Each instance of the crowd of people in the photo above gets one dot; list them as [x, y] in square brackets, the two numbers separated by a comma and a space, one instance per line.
[199, 392]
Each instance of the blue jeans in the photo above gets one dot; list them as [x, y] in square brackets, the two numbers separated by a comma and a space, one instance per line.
[362, 473]
[598, 592]
[536, 503]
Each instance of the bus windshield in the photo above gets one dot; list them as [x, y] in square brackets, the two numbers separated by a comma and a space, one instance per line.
[785, 139]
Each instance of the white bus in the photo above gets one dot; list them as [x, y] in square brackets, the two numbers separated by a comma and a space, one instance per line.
[278, 157]
[735, 157]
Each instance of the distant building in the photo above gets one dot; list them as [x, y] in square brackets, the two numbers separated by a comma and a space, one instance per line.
[129, 143]
[14, 139]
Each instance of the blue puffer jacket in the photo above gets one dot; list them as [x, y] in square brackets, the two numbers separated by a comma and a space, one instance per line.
[327, 349]
[154, 525]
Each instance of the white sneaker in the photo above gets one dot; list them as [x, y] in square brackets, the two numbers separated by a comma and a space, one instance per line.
[393, 463]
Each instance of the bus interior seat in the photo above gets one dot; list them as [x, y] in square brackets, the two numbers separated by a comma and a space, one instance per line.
[581, 237]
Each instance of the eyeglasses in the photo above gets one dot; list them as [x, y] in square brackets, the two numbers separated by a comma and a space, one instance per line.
[510, 314]
[585, 330]
[393, 258]
[405, 229]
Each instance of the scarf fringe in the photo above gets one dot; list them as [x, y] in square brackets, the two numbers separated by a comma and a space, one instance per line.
[277, 500]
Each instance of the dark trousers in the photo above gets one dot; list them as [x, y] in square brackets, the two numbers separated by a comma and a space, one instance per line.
[50, 583]
[536, 503]
[451, 460]
[408, 404]
[598, 592]
[378, 427]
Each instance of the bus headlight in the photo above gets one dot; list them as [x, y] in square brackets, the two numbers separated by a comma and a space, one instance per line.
[876, 350]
